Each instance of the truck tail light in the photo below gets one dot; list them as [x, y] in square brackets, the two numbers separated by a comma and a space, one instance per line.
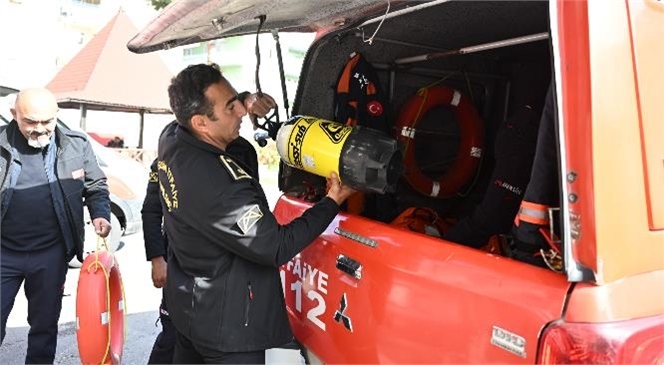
[637, 341]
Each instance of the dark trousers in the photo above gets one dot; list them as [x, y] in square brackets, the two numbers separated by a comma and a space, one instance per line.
[164, 345]
[44, 273]
[187, 352]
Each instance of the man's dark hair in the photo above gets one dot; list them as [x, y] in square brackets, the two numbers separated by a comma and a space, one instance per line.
[187, 92]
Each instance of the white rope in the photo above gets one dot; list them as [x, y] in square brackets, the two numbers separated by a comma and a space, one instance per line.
[370, 40]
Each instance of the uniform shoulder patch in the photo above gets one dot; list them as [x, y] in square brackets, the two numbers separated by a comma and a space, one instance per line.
[233, 168]
[249, 218]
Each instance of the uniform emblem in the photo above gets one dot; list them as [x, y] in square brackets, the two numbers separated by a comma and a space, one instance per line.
[153, 177]
[375, 108]
[168, 188]
[249, 218]
[78, 174]
[233, 168]
[340, 316]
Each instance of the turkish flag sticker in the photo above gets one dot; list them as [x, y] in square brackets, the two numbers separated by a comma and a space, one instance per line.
[375, 108]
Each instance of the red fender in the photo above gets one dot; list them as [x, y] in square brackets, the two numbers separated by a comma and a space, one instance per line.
[100, 310]
[470, 147]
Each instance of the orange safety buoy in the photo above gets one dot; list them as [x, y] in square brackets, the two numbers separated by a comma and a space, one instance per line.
[470, 148]
[100, 310]
[422, 220]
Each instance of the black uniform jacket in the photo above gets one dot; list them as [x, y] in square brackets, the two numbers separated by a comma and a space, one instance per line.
[152, 217]
[223, 288]
[156, 243]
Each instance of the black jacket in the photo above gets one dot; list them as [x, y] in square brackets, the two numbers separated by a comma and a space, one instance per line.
[78, 175]
[156, 243]
[223, 288]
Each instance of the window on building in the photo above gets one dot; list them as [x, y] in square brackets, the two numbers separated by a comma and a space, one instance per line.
[194, 51]
[195, 54]
[87, 2]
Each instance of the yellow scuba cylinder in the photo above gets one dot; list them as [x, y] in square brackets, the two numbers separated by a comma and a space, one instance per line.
[365, 159]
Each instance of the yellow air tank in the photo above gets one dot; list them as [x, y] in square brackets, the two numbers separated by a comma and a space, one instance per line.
[365, 159]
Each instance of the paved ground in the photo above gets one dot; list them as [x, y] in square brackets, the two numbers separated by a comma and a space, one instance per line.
[142, 303]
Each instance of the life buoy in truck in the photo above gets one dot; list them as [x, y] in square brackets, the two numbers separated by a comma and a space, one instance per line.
[470, 147]
[422, 220]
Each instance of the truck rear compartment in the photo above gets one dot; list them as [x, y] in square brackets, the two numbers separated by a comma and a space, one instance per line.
[499, 83]
[408, 296]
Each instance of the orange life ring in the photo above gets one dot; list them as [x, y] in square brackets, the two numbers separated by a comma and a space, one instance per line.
[423, 220]
[470, 148]
[100, 310]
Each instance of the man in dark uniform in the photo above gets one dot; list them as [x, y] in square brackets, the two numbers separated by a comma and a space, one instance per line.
[156, 246]
[46, 172]
[156, 243]
[225, 246]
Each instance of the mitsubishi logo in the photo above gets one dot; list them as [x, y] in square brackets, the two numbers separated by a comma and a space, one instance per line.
[340, 316]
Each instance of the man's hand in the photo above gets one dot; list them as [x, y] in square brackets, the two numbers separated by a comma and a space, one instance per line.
[338, 191]
[258, 106]
[158, 271]
[102, 227]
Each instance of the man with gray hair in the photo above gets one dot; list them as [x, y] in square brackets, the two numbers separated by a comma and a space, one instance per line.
[47, 173]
